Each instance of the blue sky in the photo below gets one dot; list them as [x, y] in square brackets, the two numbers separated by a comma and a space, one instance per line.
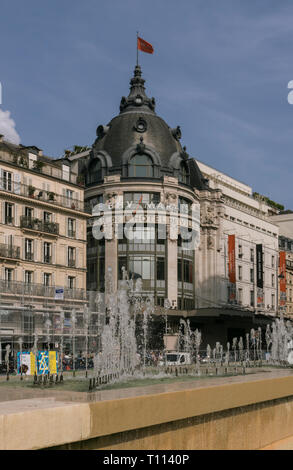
[220, 70]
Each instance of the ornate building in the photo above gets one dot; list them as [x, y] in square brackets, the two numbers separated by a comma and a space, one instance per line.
[137, 160]
[42, 246]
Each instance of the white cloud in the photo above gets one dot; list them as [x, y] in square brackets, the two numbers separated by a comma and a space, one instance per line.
[7, 127]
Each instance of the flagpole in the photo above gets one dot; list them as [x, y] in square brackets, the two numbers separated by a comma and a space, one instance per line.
[137, 48]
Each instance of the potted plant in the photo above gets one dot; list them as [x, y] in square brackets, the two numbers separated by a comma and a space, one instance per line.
[38, 165]
[31, 190]
[51, 195]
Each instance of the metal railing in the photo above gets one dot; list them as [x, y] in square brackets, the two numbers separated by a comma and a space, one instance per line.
[39, 290]
[39, 225]
[39, 194]
[9, 251]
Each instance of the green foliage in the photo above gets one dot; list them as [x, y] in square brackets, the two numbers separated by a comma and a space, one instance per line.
[268, 201]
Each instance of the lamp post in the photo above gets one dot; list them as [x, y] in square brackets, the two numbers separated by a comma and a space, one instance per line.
[7, 360]
[20, 359]
[73, 319]
[86, 326]
[61, 344]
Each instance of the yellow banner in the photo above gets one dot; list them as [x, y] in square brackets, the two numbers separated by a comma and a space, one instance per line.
[53, 362]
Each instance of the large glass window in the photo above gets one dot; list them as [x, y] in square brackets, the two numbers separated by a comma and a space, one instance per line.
[141, 166]
[141, 266]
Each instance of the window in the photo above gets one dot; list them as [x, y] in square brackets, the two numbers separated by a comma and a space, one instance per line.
[251, 275]
[71, 282]
[71, 256]
[29, 256]
[95, 171]
[141, 266]
[240, 273]
[9, 213]
[47, 252]
[141, 166]
[273, 280]
[273, 301]
[8, 275]
[273, 261]
[160, 269]
[47, 217]
[71, 228]
[240, 254]
[47, 279]
[251, 254]
[183, 173]
[28, 277]
[240, 296]
[28, 212]
[7, 180]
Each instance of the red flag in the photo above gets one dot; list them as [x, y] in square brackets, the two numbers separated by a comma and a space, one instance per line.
[144, 46]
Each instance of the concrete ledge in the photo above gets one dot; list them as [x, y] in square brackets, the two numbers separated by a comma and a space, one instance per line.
[246, 415]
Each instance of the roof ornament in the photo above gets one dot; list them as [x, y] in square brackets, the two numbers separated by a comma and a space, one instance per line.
[140, 148]
[137, 96]
[176, 133]
[184, 155]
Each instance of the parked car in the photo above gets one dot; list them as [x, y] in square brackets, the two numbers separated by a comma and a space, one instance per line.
[176, 359]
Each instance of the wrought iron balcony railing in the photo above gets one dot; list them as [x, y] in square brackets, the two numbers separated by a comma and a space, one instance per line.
[9, 251]
[16, 288]
[41, 195]
[39, 225]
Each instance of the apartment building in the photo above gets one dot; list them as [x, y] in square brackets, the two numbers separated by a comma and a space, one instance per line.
[42, 242]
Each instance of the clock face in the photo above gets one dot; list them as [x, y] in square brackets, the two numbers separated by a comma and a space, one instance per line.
[138, 100]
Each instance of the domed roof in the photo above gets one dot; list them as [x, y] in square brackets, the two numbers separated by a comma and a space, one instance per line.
[138, 130]
[137, 119]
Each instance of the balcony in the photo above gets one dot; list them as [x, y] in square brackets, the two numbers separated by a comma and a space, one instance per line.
[71, 233]
[41, 195]
[29, 256]
[39, 225]
[9, 251]
[17, 288]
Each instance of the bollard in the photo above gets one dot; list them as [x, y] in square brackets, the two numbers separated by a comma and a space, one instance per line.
[56, 378]
[61, 379]
[51, 380]
[90, 385]
[94, 382]
[243, 370]
[35, 379]
[176, 372]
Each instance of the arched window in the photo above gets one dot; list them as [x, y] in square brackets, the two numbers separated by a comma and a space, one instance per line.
[141, 166]
[95, 171]
[184, 173]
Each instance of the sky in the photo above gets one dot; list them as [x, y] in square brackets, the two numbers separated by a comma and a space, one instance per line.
[220, 70]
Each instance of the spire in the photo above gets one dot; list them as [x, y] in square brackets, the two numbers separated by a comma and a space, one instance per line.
[137, 98]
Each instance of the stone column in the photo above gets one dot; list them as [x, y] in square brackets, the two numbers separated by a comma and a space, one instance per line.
[172, 285]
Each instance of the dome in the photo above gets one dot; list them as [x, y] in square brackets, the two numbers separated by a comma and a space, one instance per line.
[138, 130]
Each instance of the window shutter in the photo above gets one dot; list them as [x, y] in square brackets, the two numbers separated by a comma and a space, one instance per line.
[16, 182]
[3, 213]
[16, 221]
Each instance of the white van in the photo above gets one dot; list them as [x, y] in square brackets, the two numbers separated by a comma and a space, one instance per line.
[176, 359]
